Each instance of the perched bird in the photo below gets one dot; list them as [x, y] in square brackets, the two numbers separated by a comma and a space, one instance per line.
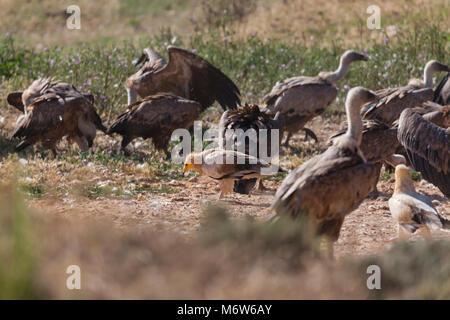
[155, 117]
[227, 166]
[412, 210]
[331, 185]
[58, 112]
[186, 75]
[442, 92]
[427, 142]
[22, 99]
[392, 101]
[240, 130]
[300, 99]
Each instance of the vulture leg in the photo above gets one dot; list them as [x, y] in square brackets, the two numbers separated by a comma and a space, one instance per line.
[311, 134]
[286, 141]
[82, 143]
[123, 146]
[260, 186]
[167, 153]
[23, 144]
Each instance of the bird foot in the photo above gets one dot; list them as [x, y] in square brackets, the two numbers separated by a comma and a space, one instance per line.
[311, 134]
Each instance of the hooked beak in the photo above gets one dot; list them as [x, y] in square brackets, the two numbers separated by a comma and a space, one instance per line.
[187, 167]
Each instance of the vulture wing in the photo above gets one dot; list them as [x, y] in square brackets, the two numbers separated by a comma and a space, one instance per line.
[379, 140]
[326, 188]
[15, 99]
[442, 92]
[428, 148]
[195, 78]
[392, 101]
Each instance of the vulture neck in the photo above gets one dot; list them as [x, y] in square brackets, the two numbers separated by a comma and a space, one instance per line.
[354, 120]
[341, 71]
[428, 77]
[404, 184]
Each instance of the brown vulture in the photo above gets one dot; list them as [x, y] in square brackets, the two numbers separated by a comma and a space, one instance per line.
[300, 99]
[186, 75]
[155, 117]
[331, 185]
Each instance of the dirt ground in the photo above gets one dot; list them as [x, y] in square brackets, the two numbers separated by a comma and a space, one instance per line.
[369, 229]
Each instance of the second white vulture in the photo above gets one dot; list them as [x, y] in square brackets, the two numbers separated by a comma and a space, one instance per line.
[392, 101]
[331, 185]
[300, 99]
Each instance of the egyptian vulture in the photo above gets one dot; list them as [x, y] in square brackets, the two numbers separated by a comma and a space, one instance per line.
[427, 142]
[442, 92]
[411, 210]
[234, 124]
[392, 101]
[300, 99]
[331, 185]
[227, 166]
[56, 110]
[155, 117]
[186, 75]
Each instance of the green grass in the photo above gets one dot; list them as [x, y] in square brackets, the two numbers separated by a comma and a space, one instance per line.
[254, 64]
[31, 190]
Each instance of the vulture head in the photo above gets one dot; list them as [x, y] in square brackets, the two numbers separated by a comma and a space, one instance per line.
[403, 180]
[350, 56]
[431, 68]
[189, 164]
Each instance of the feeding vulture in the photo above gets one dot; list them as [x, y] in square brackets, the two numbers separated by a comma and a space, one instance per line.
[411, 210]
[392, 101]
[186, 75]
[442, 92]
[22, 99]
[300, 99]
[227, 166]
[427, 143]
[331, 185]
[53, 110]
[247, 119]
[155, 117]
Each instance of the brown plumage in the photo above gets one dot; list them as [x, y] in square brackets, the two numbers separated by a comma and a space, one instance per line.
[247, 118]
[155, 117]
[442, 92]
[300, 99]
[54, 115]
[379, 141]
[329, 186]
[186, 75]
[392, 101]
[411, 210]
[41, 86]
[428, 145]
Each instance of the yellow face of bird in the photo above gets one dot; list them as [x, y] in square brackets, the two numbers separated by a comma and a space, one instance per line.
[402, 172]
[189, 163]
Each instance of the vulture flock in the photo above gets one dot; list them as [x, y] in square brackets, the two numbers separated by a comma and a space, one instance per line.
[408, 125]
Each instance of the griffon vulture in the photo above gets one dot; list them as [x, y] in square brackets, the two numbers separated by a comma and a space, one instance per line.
[392, 101]
[300, 99]
[155, 117]
[186, 75]
[331, 185]
[59, 111]
[428, 144]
